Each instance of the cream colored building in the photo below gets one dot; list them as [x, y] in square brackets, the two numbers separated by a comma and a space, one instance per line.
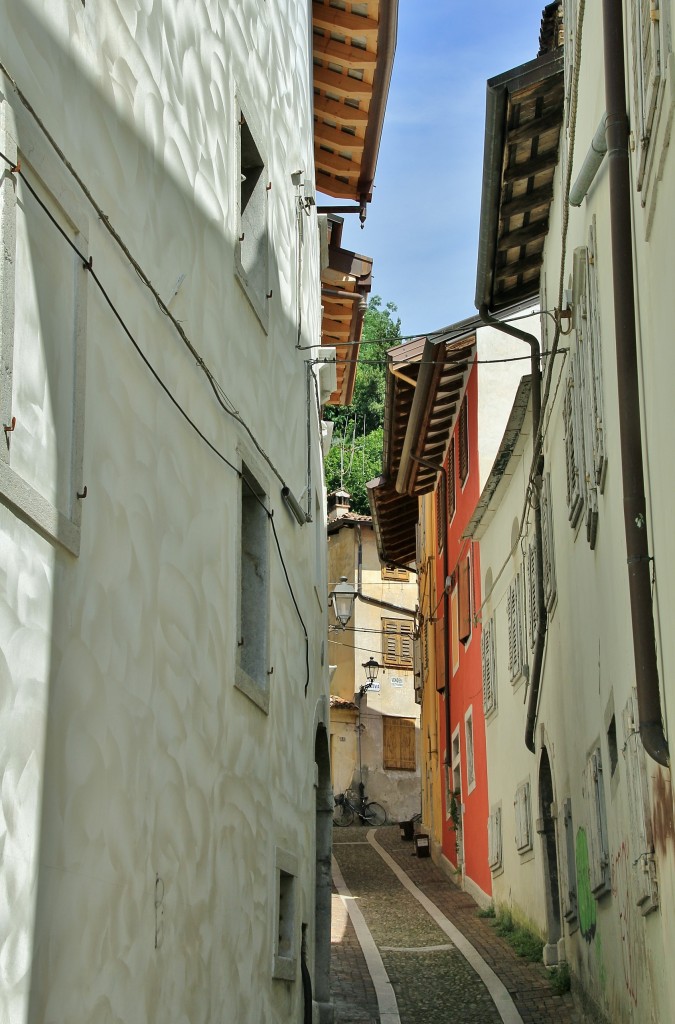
[163, 670]
[374, 732]
[578, 653]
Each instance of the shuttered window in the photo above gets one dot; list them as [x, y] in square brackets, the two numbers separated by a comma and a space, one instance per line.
[532, 606]
[646, 18]
[397, 643]
[598, 848]
[441, 525]
[463, 439]
[489, 667]
[547, 543]
[395, 574]
[452, 495]
[398, 742]
[495, 839]
[514, 603]
[568, 864]
[641, 832]
[523, 815]
[464, 593]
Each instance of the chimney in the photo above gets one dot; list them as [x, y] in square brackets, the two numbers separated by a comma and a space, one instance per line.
[338, 504]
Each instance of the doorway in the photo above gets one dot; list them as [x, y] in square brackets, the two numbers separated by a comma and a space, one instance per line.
[550, 851]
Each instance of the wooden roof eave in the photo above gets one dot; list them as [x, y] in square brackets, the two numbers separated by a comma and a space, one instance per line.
[327, 19]
[541, 76]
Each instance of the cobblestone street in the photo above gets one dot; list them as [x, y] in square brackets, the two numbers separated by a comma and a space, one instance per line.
[396, 959]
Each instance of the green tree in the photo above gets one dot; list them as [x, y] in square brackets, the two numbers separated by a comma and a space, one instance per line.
[354, 464]
[356, 454]
[381, 331]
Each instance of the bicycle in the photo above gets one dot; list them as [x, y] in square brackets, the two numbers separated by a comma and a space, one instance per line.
[370, 812]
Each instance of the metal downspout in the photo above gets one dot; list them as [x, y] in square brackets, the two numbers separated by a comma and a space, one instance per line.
[542, 615]
[634, 502]
[412, 612]
[446, 615]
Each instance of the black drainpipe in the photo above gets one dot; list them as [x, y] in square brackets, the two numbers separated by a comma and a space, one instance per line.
[634, 503]
[446, 613]
[542, 616]
[387, 605]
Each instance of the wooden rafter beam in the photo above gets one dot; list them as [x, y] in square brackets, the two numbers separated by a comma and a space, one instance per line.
[343, 85]
[528, 201]
[335, 52]
[335, 163]
[529, 168]
[337, 139]
[331, 19]
[337, 111]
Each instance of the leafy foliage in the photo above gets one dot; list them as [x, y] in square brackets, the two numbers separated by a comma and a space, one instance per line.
[355, 464]
[356, 455]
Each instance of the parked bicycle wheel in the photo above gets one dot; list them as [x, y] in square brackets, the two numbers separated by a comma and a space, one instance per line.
[343, 815]
[375, 814]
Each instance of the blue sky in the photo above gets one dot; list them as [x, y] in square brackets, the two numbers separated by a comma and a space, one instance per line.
[422, 226]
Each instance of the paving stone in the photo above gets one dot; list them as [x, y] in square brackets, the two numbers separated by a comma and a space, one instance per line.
[433, 982]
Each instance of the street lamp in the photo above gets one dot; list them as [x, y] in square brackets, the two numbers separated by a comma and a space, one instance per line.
[371, 668]
[342, 601]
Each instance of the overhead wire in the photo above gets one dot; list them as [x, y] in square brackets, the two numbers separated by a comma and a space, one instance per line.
[88, 266]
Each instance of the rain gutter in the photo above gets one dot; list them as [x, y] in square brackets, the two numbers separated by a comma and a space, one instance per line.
[634, 502]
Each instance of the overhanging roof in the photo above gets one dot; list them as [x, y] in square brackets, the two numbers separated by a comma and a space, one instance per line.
[426, 382]
[353, 47]
[345, 286]
[524, 112]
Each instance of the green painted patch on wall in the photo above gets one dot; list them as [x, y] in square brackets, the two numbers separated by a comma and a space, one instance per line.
[587, 911]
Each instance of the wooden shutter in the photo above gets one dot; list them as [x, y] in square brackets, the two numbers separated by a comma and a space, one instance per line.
[398, 742]
[463, 438]
[441, 524]
[397, 641]
[452, 494]
[394, 573]
[464, 590]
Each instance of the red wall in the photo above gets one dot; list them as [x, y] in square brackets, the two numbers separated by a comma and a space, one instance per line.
[466, 688]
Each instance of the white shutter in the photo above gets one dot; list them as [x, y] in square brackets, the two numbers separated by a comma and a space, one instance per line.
[568, 864]
[547, 543]
[641, 836]
[489, 667]
[647, 71]
[495, 839]
[597, 833]
[532, 606]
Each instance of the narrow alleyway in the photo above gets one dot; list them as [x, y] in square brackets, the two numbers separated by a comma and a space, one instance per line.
[409, 947]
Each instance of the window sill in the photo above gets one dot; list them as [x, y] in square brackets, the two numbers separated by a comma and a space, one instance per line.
[258, 694]
[285, 968]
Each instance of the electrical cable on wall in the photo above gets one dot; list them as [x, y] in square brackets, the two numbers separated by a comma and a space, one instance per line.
[88, 266]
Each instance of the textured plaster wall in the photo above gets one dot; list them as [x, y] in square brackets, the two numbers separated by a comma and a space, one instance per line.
[143, 795]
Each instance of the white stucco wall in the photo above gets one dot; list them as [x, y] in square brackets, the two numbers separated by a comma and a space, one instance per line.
[144, 797]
